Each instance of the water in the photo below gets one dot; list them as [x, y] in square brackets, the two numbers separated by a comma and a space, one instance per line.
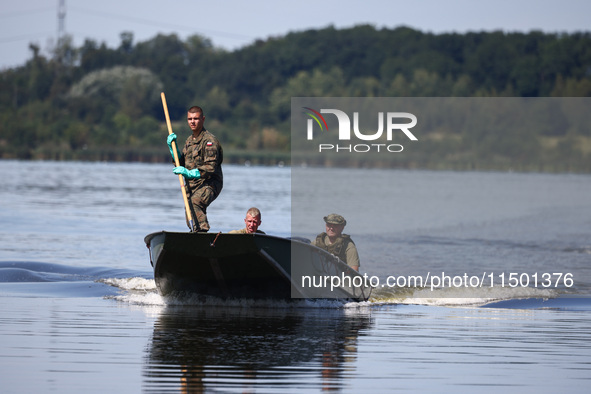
[79, 311]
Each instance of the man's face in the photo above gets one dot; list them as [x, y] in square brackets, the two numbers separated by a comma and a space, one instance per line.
[252, 223]
[334, 230]
[195, 120]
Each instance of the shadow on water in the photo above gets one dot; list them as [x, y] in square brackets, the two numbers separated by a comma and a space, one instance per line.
[194, 349]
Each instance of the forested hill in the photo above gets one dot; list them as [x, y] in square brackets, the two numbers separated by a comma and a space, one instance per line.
[98, 103]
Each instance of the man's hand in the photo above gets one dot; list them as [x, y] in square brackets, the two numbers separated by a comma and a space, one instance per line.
[189, 174]
[172, 137]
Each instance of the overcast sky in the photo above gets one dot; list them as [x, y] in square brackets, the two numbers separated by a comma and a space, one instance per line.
[232, 24]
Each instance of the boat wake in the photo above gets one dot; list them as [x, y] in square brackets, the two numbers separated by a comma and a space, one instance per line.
[142, 292]
[37, 279]
[458, 297]
[152, 298]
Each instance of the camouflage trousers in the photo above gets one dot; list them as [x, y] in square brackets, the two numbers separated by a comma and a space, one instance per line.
[200, 199]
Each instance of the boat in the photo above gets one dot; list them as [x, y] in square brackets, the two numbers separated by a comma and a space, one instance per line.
[253, 266]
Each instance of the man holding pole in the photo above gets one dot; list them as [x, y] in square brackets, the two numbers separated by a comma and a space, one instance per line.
[200, 162]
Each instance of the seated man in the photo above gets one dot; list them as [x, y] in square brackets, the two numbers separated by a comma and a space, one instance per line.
[252, 221]
[337, 243]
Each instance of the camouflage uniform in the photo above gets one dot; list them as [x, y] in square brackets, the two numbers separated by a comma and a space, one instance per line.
[206, 154]
[244, 231]
[344, 248]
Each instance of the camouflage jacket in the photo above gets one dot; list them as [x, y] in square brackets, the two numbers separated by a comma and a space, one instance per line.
[344, 248]
[206, 154]
[244, 231]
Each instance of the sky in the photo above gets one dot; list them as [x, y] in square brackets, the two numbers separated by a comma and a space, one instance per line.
[232, 24]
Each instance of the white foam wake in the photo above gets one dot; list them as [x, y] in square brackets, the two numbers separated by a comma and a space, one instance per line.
[130, 283]
[458, 296]
[143, 292]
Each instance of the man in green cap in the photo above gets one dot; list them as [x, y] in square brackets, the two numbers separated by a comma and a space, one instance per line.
[337, 243]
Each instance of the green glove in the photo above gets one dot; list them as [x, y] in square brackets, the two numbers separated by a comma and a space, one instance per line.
[172, 137]
[189, 174]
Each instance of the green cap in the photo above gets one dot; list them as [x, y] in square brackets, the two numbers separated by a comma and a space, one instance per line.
[333, 218]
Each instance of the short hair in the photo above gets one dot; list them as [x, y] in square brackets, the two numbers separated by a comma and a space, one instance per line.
[195, 109]
[254, 212]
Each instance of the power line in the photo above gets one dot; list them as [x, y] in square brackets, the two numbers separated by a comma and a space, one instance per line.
[61, 14]
[23, 37]
[27, 36]
[154, 23]
[25, 12]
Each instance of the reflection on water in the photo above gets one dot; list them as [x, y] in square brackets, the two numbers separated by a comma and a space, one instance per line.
[199, 348]
[67, 241]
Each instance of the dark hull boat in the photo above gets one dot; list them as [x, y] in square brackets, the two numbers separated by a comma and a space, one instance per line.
[254, 266]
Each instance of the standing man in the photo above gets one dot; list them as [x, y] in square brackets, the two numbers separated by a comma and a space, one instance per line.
[337, 243]
[201, 165]
[252, 221]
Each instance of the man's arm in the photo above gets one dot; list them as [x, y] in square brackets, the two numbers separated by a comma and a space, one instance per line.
[352, 256]
[212, 157]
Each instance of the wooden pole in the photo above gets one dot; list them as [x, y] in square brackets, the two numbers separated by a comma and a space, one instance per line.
[177, 163]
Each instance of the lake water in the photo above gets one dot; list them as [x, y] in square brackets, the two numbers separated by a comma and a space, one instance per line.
[79, 311]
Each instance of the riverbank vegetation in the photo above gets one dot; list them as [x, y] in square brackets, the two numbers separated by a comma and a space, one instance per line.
[98, 103]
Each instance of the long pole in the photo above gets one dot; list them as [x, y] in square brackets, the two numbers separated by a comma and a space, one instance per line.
[177, 163]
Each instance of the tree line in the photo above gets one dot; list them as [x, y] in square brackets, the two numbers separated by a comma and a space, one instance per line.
[93, 102]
